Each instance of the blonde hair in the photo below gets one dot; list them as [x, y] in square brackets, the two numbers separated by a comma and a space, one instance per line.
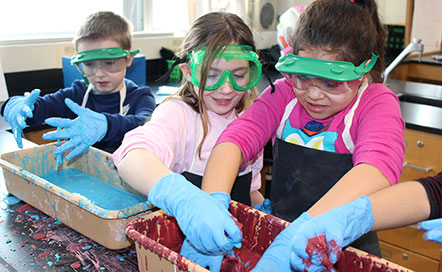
[213, 31]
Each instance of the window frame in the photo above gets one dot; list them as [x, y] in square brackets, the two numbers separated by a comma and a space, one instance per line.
[143, 15]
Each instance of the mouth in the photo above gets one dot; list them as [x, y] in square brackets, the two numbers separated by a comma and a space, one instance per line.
[222, 102]
[102, 83]
[316, 107]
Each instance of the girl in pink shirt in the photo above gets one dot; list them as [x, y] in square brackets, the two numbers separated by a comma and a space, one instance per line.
[338, 132]
[165, 159]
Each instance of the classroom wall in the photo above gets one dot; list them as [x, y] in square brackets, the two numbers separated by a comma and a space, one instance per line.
[392, 11]
[47, 55]
[23, 57]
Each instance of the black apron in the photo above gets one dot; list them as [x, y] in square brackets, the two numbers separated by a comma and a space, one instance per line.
[301, 176]
[240, 190]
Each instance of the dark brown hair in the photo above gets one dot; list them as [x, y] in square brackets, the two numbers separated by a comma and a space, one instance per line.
[350, 30]
[212, 31]
[105, 25]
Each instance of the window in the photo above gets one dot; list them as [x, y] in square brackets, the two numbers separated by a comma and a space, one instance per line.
[167, 15]
[49, 19]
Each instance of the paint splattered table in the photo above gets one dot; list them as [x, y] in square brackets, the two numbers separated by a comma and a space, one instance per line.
[32, 241]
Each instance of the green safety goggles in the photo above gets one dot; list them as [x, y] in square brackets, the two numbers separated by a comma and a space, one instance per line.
[105, 53]
[332, 70]
[236, 64]
[108, 59]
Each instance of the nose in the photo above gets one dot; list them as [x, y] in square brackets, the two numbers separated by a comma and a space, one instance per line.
[100, 71]
[315, 92]
[226, 88]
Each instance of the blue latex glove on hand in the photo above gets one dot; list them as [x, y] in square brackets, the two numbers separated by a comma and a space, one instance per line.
[202, 218]
[17, 110]
[328, 233]
[265, 206]
[433, 228]
[212, 261]
[85, 130]
[277, 256]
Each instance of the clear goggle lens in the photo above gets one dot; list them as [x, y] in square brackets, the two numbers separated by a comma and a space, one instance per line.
[235, 64]
[90, 68]
[242, 74]
[333, 87]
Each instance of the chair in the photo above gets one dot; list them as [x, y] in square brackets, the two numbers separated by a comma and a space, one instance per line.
[136, 72]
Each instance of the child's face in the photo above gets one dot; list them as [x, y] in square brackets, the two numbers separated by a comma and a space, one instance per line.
[105, 81]
[224, 99]
[318, 103]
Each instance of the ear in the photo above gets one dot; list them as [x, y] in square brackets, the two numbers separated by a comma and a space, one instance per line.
[185, 70]
[129, 60]
[368, 62]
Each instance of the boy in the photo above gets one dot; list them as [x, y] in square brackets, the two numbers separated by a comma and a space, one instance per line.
[110, 104]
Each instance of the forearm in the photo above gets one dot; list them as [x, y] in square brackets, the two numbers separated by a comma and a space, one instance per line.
[256, 198]
[363, 179]
[400, 205]
[141, 169]
[222, 168]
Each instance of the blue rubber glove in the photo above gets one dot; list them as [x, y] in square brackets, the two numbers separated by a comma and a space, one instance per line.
[17, 110]
[277, 256]
[212, 261]
[85, 130]
[265, 206]
[202, 218]
[328, 233]
[433, 228]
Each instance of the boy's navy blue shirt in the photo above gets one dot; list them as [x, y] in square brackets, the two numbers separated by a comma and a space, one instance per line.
[139, 102]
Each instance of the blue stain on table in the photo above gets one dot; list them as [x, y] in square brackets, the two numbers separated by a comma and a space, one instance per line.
[11, 200]
[60, 250]
[96, 191]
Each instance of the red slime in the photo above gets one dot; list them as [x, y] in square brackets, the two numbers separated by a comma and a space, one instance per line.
[317, 248]
[161, 235]
[350, 261]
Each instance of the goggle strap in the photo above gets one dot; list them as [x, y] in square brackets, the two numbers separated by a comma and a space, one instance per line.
[82, 75]
[164, 78]
[365, 69]
[134, 52]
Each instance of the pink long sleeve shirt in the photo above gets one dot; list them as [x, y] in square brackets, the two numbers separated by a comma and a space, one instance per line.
[174, 133]
[370, 127]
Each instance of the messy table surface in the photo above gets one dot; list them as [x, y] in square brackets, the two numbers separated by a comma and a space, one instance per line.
[32, 241]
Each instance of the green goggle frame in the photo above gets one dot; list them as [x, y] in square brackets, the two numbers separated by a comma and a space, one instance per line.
[100, 54]
[333, 70]
[230, 52]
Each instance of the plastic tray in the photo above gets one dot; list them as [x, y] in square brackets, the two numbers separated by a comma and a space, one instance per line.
[22, 170]
[158, 241]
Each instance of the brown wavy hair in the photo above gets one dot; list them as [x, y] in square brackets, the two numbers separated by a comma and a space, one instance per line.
[351, 31]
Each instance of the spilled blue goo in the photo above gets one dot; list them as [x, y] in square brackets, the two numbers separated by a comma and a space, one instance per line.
[98, 192]
[11, 200]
